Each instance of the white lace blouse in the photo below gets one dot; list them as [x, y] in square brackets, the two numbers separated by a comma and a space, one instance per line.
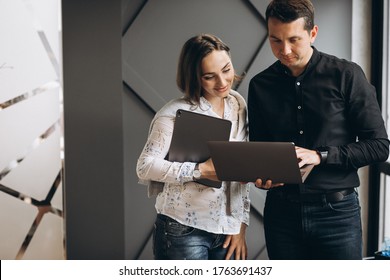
[190, 203]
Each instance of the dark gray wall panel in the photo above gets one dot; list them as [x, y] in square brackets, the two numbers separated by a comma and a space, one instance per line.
[334, 19]
[94, 186]
[139, 209]
[255, 237]
[151, 46]
[152, 43]
[130, 10]
[108, 215]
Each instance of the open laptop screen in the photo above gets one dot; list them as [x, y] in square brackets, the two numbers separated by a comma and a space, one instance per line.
[249, 161]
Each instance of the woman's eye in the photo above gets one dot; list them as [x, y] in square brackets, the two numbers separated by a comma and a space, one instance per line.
[226, 70]
[207, 77]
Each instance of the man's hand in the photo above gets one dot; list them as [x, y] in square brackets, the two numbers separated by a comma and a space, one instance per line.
[266, 185]
[306, 156]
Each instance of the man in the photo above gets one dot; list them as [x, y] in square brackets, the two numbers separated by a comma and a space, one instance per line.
[326, 106]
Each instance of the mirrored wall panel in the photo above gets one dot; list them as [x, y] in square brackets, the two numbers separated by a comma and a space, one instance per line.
[31, 216]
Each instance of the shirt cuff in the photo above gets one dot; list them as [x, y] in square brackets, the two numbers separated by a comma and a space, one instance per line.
[186, 172]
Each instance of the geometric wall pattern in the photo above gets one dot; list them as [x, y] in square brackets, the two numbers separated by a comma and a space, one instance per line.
[153, 33]
[31, 215]
[152, 37]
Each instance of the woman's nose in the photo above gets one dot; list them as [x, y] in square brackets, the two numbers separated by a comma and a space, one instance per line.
[221, 81]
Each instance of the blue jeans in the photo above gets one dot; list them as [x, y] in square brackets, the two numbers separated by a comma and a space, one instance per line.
[175, 241]
[306, 231]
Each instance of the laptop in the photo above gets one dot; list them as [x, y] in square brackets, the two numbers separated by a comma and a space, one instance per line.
[249, 161]
[191, 133]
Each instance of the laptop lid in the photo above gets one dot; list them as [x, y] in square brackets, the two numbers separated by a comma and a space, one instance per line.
[191, 133]
[249, 161]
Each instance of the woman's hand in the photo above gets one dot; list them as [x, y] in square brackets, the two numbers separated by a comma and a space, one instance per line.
[237, 245]
[207, 170]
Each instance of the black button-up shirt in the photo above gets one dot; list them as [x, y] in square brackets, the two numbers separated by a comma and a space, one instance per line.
[330, 106]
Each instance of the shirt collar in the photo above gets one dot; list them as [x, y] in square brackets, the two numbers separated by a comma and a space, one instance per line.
[206, 106]
[313, 60]
[315, 57]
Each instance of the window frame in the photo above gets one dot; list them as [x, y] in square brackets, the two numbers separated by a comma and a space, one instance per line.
[379, 194]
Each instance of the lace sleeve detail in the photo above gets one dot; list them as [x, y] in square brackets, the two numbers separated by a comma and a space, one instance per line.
[152, 164]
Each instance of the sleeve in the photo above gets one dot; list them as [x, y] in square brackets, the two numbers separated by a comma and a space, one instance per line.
[367, 125]
[152, 165]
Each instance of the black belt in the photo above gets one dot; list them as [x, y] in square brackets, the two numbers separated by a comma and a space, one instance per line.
[314, 197]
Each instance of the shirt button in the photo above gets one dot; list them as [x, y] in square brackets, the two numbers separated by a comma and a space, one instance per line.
[301, 132]
[298, 83]
[299, 107]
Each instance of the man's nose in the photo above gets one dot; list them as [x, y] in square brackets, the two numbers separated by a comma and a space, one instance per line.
[286, 49]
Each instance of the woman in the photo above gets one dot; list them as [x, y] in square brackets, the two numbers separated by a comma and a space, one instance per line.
[195, 221]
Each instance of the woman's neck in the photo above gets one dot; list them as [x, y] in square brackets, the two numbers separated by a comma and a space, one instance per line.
[218, 105]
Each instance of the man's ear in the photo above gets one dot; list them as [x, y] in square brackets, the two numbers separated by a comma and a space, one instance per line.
[313, 34]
